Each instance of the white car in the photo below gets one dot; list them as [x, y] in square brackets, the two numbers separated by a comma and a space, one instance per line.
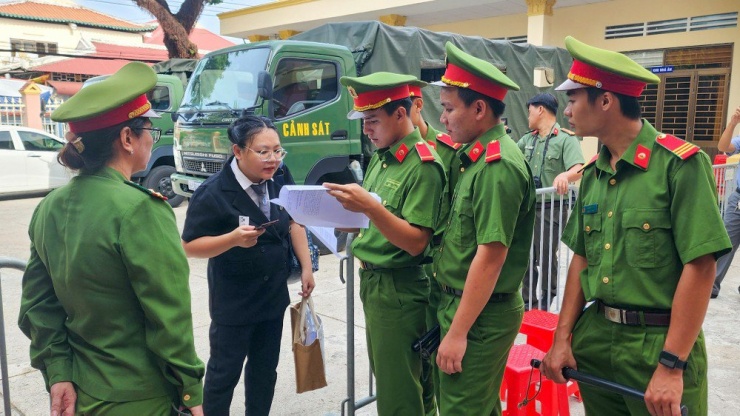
[28, 161]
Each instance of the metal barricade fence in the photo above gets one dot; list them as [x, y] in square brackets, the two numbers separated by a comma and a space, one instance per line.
[10, 263]
[725, 178]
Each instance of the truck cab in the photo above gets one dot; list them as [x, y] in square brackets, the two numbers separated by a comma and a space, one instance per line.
[296, 84]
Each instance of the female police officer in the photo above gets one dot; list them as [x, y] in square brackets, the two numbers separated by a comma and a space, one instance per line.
[247, 267]
[106, 300]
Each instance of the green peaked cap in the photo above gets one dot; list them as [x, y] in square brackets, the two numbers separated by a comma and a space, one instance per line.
[604, 69]
[117, 98]
[375, 90]
[467, 71]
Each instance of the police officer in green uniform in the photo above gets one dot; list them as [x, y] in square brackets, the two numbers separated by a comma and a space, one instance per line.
[555, 157]
[645, 234]
[106, 297]
[485, 248]
[447, 151]
[407, 175]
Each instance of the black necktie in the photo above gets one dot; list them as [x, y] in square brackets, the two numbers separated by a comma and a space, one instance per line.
[261, 190]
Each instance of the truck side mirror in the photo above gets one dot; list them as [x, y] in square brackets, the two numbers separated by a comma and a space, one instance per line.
[264, 91]
[174, 116]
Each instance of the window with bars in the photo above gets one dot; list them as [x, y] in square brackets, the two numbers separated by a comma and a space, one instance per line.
[32, 46]
[659, 27]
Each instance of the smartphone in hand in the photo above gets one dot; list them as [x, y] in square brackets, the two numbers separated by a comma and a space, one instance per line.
[265, 225]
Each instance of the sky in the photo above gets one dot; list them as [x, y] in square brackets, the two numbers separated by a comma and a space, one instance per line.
[128, 10]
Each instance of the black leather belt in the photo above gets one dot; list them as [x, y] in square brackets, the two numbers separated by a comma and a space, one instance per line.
[496, 297]
[631, 317]
[436, 240]
[369, 266]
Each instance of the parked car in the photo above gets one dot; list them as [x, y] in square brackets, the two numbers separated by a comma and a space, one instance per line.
[28, 161]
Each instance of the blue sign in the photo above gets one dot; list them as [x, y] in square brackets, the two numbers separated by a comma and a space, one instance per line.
[661, 69]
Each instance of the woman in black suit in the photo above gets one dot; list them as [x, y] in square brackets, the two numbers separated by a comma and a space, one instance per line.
[248, 267]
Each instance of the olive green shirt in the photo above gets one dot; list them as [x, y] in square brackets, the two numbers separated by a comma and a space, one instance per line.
[448, 157]
[637, 227]
[408, 188]
[563, 152]
[492, 202]
[106, 295]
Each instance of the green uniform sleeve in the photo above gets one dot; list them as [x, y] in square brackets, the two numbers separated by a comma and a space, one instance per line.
[42, 320]
[498, 189]
[522, 142]
[573, 231]
[572, 154]
[422, 204]
[693, 189]
[159, 274]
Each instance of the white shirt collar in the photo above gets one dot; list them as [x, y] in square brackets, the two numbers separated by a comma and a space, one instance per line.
[244, 182]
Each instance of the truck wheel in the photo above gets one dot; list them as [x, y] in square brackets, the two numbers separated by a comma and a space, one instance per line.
[159, 180]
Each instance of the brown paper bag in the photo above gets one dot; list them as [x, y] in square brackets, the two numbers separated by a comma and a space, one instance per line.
[309, 362]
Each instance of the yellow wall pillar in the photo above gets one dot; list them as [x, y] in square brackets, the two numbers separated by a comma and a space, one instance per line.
[285, 34]
[539, 14]
[393, 19]
[258, 38]
[31, 98]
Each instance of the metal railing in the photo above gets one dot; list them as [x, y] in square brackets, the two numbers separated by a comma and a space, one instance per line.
[6, 262]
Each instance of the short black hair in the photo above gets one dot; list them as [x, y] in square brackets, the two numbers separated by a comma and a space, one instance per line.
[469, 96]
[242, 131]
[630, 106]
[392, 106]
[546, 100]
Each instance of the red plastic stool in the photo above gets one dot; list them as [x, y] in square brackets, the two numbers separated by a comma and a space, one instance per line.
[539, 327]
[517, 385]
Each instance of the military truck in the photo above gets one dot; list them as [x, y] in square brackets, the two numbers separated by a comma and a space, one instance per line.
[295, 82]
[172, 77]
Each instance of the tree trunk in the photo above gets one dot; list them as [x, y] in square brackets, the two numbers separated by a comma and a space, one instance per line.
[177, 27]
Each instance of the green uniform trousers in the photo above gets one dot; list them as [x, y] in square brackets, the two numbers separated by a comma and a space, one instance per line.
[629, 355]
[429, 373]
[475, 390]
[90, 406]
[395, 304]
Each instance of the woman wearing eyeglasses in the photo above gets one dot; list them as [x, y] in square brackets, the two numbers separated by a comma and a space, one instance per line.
[106, 295]
[248, 266]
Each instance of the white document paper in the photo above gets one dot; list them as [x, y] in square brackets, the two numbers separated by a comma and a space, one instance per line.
[312, 205]
[327, 237]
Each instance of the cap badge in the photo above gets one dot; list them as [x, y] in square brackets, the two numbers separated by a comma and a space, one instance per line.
[352, 92]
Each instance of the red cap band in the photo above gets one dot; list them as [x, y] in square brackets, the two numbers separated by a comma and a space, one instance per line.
[371, 100]
[127, 111]
[592, 76]
[414, 91]
[458, 77]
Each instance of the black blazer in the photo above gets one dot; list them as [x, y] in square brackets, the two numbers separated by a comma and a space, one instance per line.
[245, 285]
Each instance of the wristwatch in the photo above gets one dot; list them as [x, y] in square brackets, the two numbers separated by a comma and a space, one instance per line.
[671, 361]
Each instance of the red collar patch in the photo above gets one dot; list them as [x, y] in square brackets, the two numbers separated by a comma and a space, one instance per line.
[642, 156]
[432, 143]
[402, 152]
[475, 152]
[493, 151]
[446, 139]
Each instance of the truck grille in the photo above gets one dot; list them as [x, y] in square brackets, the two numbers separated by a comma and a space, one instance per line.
[202, 167]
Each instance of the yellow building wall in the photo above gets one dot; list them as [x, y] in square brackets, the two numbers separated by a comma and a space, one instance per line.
[588, 24]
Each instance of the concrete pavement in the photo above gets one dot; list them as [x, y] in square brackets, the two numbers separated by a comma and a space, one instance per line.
[30, 398]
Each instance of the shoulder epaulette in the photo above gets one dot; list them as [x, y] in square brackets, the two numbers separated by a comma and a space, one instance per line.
[678, 147]
[571, 132]
[493, 151]
[150, 192]
[424, 152]
[446, 139]
[590, 163]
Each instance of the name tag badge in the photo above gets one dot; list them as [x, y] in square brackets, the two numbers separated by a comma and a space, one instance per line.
[243, 220]
[590, 209]
[529, 147]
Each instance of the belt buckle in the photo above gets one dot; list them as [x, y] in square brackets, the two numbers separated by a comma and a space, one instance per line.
[613, 314]
[363, 266]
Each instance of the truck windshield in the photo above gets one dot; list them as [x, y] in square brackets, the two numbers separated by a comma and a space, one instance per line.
[226, 81]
